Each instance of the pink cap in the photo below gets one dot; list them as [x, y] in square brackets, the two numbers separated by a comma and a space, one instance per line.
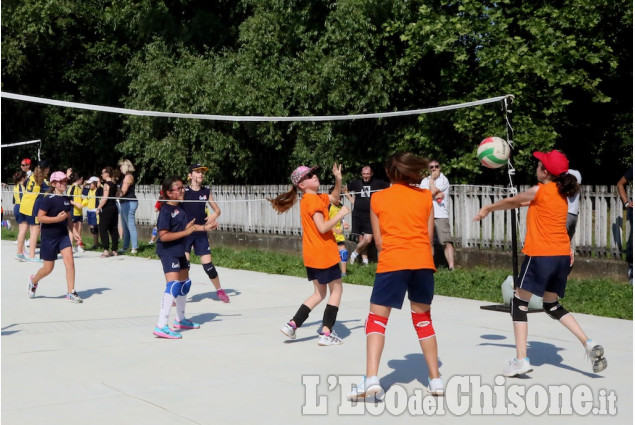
[58, 176]
[555, 161]
[300, 172]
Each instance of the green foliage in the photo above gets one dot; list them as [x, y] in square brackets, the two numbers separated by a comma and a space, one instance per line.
[569, 65]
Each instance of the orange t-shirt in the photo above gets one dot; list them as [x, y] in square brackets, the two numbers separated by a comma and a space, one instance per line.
[547, 223]
[403, 213]
[319, 250]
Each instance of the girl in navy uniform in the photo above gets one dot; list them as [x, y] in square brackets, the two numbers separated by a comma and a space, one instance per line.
[55, 216]
[198, 211]
[174, 226]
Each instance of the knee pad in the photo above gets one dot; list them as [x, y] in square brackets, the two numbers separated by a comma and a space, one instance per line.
[376, 324]
[185, 287]
[555, 310]
[518, 309]
[330, 316]
[210, 270]
[423, 324]
[173, 288]
[344, 255]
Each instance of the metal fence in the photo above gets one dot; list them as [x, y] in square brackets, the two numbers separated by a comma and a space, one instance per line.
[600, 232]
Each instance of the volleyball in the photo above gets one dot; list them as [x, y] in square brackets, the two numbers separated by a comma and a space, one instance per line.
[493, 152]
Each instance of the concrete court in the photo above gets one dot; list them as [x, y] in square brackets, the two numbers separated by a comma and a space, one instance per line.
[98, 362]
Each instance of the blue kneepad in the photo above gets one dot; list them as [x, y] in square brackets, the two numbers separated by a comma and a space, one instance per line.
[177, 288]
[174, 288]
[185, 288]
[344, 255]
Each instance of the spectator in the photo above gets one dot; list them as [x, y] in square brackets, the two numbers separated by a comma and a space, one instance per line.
[90, 194]
[75, 193]
[439, 185]
[628, 204]
[363, 190]
[129, 204]
[107, 210]
[25, 165]
[35, 185]
[19, 179]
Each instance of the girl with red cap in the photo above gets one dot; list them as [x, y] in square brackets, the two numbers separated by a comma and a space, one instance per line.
[319, 249]
[54, 214]
[546, 266]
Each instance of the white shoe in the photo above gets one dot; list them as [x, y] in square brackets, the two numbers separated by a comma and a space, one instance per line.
[354, 255]
[517, 367]
[330, 339]
[435, 386]
[288, 330]
[595, 352]
[368, 387]
[80, 248]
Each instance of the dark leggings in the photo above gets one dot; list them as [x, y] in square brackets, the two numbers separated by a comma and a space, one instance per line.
[108, 220]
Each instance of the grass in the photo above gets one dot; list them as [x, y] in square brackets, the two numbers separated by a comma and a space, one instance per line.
[600, 297]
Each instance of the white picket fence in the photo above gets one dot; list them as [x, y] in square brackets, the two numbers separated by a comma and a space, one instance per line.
[600, 232]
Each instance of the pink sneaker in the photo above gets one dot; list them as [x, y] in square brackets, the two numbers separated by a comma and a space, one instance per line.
[222, 296]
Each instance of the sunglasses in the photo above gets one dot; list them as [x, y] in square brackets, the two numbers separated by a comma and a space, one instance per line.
[308, 176]
[432, 167]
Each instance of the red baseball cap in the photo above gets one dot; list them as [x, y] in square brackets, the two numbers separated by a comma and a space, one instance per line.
[555, 161]
[26, 161]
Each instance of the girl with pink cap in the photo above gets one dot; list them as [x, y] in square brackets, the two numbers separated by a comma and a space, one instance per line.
[319, 249]
[54, 214]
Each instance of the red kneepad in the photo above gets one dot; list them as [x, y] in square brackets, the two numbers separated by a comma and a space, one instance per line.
[423, 324]
[376, 324]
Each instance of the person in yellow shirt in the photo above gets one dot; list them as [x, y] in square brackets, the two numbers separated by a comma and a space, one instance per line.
[75, 193]
[34, 187]
[546, 266]
[19, 179]
[338, 231]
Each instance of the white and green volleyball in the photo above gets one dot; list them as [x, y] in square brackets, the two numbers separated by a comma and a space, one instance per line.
[493, 152]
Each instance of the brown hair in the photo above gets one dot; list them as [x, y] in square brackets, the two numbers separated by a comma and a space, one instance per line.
[404, 167]
[166, 186]
[285, 201]
[567, 184]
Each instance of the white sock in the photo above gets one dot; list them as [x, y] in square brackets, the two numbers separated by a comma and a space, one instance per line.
[180, 307]
[166, 306]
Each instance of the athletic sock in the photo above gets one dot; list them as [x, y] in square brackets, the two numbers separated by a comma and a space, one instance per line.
[166, 306]
[180, 307]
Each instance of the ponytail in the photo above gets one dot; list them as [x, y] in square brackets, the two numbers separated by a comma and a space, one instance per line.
[568, 185]
[285, 201]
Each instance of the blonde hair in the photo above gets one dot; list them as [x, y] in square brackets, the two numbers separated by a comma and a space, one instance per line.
[127, 166]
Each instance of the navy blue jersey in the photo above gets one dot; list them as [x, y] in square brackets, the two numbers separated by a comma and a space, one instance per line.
[173, 219]
[196, 210]
[52, 205]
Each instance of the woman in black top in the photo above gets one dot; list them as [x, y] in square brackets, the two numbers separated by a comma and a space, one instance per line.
[108, 214]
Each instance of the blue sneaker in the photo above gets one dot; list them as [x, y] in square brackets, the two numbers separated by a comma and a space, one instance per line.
[185, 324]
[35, 260]
[20, 257]
[166, 332]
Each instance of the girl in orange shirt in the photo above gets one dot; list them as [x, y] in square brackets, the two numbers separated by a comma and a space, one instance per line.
[319, 250]
[546, 266]
[403, 227]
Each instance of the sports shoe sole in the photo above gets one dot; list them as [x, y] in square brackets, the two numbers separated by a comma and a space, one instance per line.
[166, 336]
[521, 372]
[375, 392]
[178, 325]
[600, 364]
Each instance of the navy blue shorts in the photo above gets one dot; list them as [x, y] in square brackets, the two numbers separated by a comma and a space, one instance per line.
[545, 274]
[390, 288]
[30, 219]
[200, 243]
[77, 218]
[324, 276]
[361, 226]
[91, 218]
[174, 264]
[49, 248]
[19, 217]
